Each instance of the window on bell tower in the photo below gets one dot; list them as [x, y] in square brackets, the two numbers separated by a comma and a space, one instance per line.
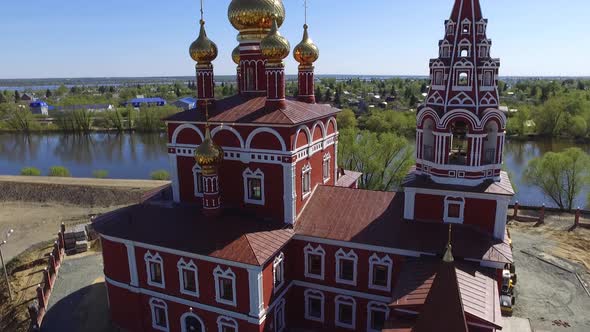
[458, 154]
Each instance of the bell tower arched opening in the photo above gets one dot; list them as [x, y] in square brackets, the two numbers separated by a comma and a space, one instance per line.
[490, 143]
[458, 154]
[428, 140]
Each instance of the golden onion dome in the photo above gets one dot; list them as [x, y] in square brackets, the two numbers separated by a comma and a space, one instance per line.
[203, 50]
[274, 46]
[306, 52]
[255, 14]
[235, 55]
[208, 153]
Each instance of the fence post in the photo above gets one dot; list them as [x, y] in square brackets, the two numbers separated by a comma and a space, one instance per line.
[40, 297]
[47, 278]
[578, 215]
[516, 207]
[52, 266]
[542, 217]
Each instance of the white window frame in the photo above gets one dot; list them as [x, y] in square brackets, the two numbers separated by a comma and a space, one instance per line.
[185, 316]
[154, 259]
[306, 172]
[341, 255]
[384, 261]
[317, 295]
[278, 262]
[258, 174]
[319, 251]
[219, 273]
[491, 76]
[454, 200]
[161, 304]
[224, 321]
[197, 172]
[326, 162]
[280, 308]
[376, 306]
[346, 300]
[466, 23]
[191, 267]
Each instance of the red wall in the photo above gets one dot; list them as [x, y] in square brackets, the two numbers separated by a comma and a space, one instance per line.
[481, 213]
[116, 264]
[429, 208]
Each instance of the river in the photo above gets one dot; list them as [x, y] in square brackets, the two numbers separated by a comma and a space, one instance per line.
[135, 156]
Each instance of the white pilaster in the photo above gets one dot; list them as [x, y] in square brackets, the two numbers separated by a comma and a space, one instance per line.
[134, 280]
[174, 177]
[409, 203]
[256, 295]
[501, 216]
[289, 194]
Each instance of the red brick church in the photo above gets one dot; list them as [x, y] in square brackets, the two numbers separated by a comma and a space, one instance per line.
[265, 233]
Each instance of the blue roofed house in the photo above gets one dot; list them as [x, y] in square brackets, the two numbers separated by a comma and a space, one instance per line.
[138, 102]
[39, 107]
[187, 103]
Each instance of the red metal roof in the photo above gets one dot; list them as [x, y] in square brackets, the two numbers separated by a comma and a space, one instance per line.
[376, 218]
[232, 236]
[242, 109]
[348, 178]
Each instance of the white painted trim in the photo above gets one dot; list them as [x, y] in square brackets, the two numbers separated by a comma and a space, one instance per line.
[255, 291]
[501, 218]
[344, 300]
[173, 159]
[305, 128]
[306, 172]
[326, 162]
[409, 203]
[278, 262]
[353, 245]
[183, 327]
[319, 251]
[265, 130]
[182, 266]
[383, 261]
[186, 126]
[455, 201]
[289, 193]
[160, 304]
[196, 172]
[226, 322]
[322, 127]
[341, 291]
[343, 256]
[317, 295]
[149, 259]
[280, 308]
[230, 129]
[182, 253]
[219, 273]
[258, 174]
[134, 277]
[376, 306]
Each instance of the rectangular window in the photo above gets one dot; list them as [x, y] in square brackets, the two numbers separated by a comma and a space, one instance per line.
[326, 169]
[226, 289]
[438, 78]
[189, 279]
[346, 269]
[254, 189]
[160, 317]
[306, 182]
[226, 328]
[345, 313]
[463, 79]
[454, 211]
[377, 320]
[199, 181]
[314, 308]
[278, 273]
[314, 264]
[488, 78]
[380, 275]
[155, 272]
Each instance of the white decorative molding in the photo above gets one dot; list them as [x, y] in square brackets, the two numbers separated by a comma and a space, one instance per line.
[326, 167]
[189, 267]
[347, 301]
[289, 193]
[218, 274]
[198, 179]
[315, 295]
[255, 290]
[152, 262]
[186, 126]
[174, 177]
[376, 306]
[133, 276]
[450, 200]
[156, 304]
[280, 316]
[247, 175]
[278, 272]
[184, 328]
[318, 251]
[231, 129]
[226, 322]
[351, 256]
[265, 130]
[409, 203]
[306, 186]
[382, 261]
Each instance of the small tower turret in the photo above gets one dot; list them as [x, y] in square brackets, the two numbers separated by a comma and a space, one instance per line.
[306, 53]
[275, 48]
[204, 51]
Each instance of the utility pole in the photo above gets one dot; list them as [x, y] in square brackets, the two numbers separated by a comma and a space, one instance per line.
[4, 266]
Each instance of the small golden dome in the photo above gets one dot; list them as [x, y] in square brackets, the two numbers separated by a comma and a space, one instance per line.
[235, 55]
[306, 52]
[255, 14]
[203, 50]
[274, 46]
[208, 153]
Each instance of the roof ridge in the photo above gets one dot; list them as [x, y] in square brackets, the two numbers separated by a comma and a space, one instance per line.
[252, 249]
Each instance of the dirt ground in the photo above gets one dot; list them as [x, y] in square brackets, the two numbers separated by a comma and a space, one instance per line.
[553, 265]
[38, 222]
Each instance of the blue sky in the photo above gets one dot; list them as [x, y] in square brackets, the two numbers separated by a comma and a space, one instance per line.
[109, 38]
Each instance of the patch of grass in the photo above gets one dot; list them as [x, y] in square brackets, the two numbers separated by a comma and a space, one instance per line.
[160, 175]
[100, 174]
[30, 171]
[59, 171]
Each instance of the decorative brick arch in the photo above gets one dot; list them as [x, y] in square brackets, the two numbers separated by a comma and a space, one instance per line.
[331, 126]
[187, 126]
[322, 132]
[470, 119]
[493, 114]
[298, 143]
[266, 130]
[427, 113]
[236, 134]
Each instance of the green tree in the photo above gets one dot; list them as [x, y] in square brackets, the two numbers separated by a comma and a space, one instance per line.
[48, 93]
[61, 91]
[347, 119]
[2, 98]
[18, 117]
[384, 159]
[561, 176]
[16, 96]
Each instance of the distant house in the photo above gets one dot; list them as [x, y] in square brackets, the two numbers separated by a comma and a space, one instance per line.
[39, 107]
[138, 102]
[383, 104]
[390, 99]
[27, 97]
[186, 104]
[95, 108]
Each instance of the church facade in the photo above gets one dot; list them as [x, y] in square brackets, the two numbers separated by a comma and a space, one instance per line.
[264, 232]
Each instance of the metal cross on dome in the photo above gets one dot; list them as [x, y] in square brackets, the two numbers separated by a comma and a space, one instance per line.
[305, 6]
[202, 10]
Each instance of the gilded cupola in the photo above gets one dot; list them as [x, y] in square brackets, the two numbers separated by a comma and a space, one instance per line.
[306, 52]
[208, 153]
[255, 14]
[203, 50]
[274, 46]
[235, 55]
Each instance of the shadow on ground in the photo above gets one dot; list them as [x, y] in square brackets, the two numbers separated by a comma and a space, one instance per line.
[83, 310]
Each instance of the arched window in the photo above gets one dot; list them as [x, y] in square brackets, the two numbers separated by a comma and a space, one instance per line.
[306, 180]
[458, 154]
[377, 315]
[198, 180]
[490, 143]
[253, 186]
[463, 79]
[345, 312]
[346, 267]
[188, 276]
[225, 286]
[428, 140]
[314, 262]
[250, 79]
[155, 270]
[159, 310]
[380, 272]
[190, 322]
[226, 324]
[314, 305]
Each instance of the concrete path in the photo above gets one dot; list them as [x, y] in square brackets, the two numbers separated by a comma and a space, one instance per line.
[516, 324]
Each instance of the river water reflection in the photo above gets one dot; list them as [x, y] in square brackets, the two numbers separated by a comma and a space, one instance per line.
[135, 156]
